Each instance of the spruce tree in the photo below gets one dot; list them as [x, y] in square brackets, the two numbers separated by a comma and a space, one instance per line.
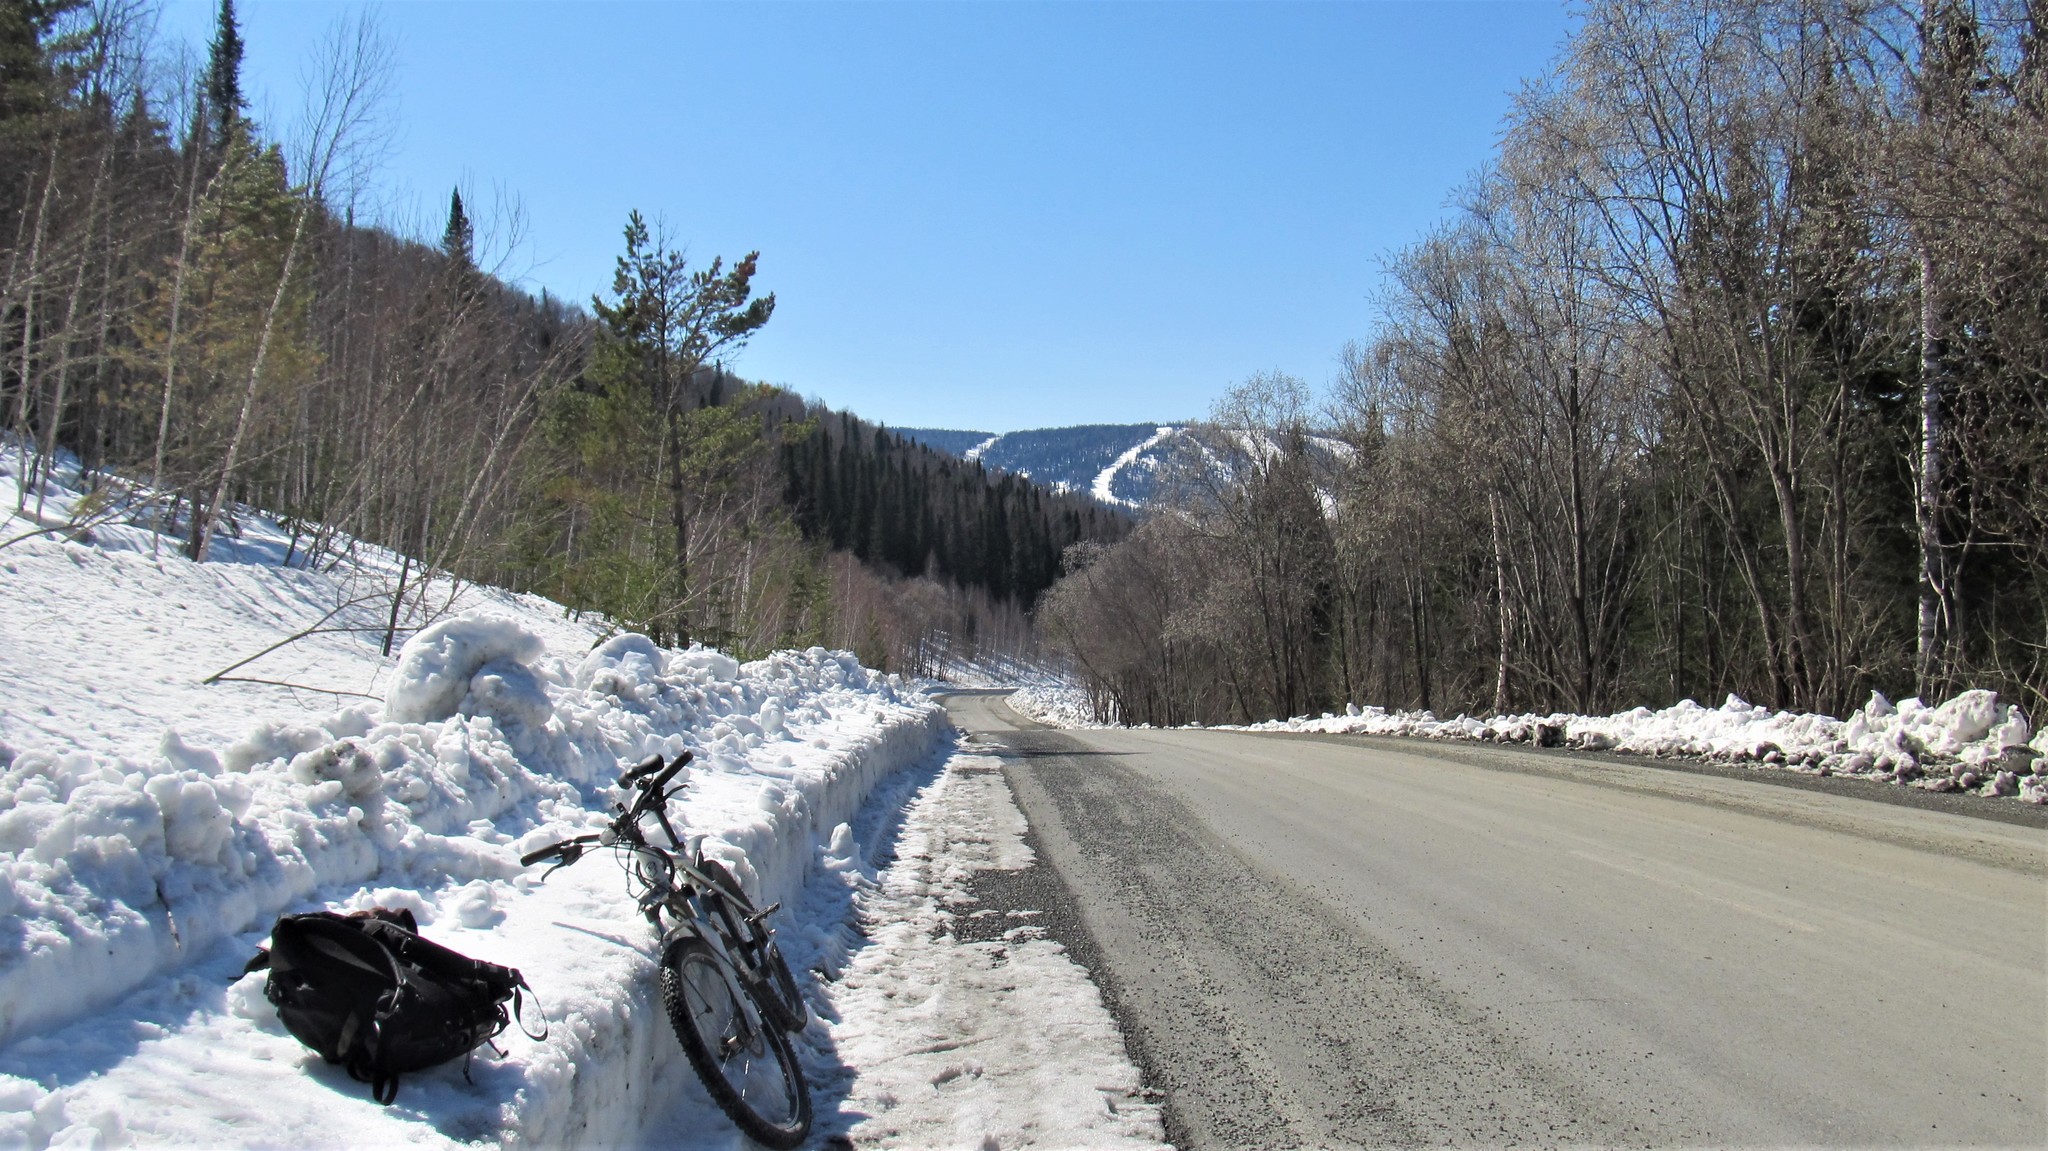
[459, 239]
[224, 100]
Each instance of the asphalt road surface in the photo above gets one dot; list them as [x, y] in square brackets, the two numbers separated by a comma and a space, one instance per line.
[1322, 943]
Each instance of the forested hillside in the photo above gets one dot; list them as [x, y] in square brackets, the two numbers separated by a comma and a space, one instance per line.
[898, 503]
[956, 442]
[1073, 458]
[1729, 375]
[191, 307]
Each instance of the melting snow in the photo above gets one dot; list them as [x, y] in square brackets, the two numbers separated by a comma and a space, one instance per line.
[153, 825]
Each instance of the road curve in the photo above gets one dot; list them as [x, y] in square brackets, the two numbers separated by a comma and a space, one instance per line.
[1314, 943]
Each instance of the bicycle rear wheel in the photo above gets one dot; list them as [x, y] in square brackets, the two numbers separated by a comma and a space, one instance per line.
[750, 1071]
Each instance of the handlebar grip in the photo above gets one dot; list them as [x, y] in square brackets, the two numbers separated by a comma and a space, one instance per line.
[633, 773]
[569, 849]
[661, 780]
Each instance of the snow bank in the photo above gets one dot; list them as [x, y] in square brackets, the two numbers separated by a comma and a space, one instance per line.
[114, 871]
[148, 840]
[437, 665]
[1059, 702]
[1970, 743]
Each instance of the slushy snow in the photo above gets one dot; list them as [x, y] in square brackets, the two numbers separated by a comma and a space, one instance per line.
[152, 826]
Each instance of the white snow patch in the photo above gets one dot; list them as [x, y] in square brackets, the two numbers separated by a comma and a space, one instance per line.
[999, 1042]
[1105, 480]
[1056, 701]
[1970, 743]
[152, 826]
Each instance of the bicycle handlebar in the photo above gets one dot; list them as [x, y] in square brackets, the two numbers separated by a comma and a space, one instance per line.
[651, 795]
[668, 773]
[570, 849]
[633, 773]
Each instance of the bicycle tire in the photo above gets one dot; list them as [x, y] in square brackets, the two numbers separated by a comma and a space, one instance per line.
[757, 1083]
[772, 983]
[779, 996]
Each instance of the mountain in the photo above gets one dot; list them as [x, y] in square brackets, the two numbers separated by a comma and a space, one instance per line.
[1116, 463]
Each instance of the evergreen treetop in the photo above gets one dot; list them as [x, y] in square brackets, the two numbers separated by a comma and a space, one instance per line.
[225, 103]
[458, 240]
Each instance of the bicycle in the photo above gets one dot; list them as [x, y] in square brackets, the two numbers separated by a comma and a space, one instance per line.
[728, 992]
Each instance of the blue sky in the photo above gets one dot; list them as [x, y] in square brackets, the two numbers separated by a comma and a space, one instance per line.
[982, 216]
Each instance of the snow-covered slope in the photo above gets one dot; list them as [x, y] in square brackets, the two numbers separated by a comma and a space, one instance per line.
[153, 825]
[1116, 463]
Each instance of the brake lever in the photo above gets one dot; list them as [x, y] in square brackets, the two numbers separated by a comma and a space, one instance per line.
[570, 854]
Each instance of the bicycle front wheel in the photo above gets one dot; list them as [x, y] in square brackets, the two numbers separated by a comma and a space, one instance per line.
[750, 1069]
[765, 972]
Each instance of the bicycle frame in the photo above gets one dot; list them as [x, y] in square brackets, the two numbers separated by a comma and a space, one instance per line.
[730, 1039]
[705, 921]
[711, 919]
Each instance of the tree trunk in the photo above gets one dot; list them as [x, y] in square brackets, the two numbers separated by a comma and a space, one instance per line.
[1927, 480]
[202, 518]
[680, 513]
[193, 199]
[57, 387]
[1500, 585]
[28, 324]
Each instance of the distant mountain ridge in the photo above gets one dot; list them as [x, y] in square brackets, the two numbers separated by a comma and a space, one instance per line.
[1118, 464]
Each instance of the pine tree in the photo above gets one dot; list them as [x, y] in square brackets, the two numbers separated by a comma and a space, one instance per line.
[672, 324]
[30, 62]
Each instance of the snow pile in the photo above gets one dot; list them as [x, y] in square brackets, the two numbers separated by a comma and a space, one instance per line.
[1055, 701]
[152, 827]
[115, 871]
[1970, 743]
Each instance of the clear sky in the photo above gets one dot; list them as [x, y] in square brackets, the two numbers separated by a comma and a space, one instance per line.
[985, 216]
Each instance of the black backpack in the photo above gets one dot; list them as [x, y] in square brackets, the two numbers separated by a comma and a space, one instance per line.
[365, 991]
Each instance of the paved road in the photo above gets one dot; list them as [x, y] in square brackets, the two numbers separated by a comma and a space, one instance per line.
[1313, 943]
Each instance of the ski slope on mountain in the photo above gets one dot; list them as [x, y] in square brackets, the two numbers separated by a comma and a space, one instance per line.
[1104, 486]
[1118, 464]
[154, 824]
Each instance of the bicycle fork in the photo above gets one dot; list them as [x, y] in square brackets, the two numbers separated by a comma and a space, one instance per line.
[751, 1023]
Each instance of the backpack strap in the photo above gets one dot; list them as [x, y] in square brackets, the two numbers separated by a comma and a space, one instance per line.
[384, 1089]
[362, 1040]
[519, 1003]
